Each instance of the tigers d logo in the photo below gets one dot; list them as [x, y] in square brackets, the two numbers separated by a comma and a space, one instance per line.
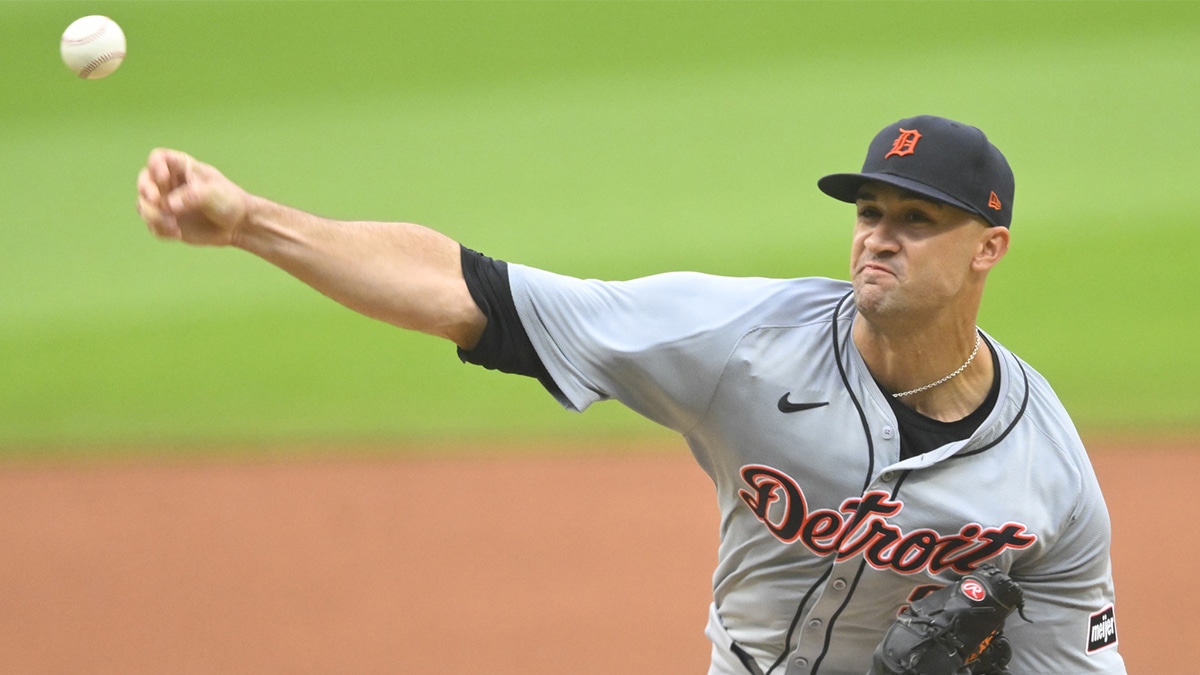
[905, 143]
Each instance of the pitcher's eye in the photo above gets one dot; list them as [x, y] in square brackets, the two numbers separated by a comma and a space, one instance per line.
[917, 217]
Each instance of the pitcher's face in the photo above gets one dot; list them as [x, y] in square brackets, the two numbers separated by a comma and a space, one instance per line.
[909, 253]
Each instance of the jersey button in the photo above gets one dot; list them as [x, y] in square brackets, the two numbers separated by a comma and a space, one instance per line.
[815, 623]
[839, 584]
[803, 663]
[887, 476]
[888, 433]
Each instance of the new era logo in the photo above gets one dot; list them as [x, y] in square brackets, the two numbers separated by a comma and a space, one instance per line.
[1102, 630]
[994, 202]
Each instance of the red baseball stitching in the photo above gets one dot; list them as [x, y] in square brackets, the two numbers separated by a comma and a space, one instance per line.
[94, 35]
[98, 61]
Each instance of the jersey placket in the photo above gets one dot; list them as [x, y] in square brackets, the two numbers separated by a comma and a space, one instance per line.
[815, 630]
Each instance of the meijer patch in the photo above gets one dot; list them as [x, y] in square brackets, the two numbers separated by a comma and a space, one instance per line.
[1102, 630]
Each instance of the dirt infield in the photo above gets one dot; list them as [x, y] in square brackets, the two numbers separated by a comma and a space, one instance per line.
[587, 564]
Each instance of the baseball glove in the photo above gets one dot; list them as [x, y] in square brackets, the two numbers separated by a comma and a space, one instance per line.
[954, 630]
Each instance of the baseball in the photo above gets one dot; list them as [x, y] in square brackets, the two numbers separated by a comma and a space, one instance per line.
[93, 47]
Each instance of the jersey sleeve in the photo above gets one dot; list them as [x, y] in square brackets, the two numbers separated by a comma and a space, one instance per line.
[657, 344]
[1069, 595]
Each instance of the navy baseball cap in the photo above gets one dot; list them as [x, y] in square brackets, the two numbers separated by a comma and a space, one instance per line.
[938, 158]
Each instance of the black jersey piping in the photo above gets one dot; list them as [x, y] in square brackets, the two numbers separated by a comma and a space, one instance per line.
[850, 592]
[747, 660]
[1016, 418]
[861, 568]
[862, 416]
[833, 619]
[787, 643]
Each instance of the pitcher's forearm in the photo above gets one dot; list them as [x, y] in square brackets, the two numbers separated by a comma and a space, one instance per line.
[405, 274]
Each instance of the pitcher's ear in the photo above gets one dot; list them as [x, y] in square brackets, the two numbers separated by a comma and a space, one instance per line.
[993, 244]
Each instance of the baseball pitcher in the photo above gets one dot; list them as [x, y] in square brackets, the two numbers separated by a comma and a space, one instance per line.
[899, 493]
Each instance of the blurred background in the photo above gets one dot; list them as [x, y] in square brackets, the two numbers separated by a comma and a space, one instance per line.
[605, 140]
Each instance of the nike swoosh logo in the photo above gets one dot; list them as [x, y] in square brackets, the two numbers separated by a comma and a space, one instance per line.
[786, 406]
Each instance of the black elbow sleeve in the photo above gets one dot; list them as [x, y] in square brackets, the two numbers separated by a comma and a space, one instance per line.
[504, 345]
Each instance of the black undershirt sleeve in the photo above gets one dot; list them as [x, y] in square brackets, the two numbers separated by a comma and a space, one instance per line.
[504, 345]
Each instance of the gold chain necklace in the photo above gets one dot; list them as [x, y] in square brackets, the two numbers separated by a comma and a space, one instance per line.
[946, 378]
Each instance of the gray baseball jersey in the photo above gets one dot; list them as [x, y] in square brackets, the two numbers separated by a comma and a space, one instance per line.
[825, 533]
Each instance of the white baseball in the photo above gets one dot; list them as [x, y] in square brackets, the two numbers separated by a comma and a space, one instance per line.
[93, 47]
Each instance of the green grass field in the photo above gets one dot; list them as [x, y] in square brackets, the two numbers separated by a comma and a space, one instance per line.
[596, 139]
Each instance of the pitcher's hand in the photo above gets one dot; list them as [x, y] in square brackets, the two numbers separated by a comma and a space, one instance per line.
[185, 199]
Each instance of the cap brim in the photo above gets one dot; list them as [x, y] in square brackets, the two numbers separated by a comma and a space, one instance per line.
[844, 187]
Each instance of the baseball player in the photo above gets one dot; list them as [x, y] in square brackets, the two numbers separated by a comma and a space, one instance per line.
[881, 463]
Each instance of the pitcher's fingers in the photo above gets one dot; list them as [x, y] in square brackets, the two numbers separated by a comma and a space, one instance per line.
[185, 198]
[147, 188]
[156, 168]
[159, 224]
[179, 165]
[166, 168]
[150, 207]
[149, 213]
